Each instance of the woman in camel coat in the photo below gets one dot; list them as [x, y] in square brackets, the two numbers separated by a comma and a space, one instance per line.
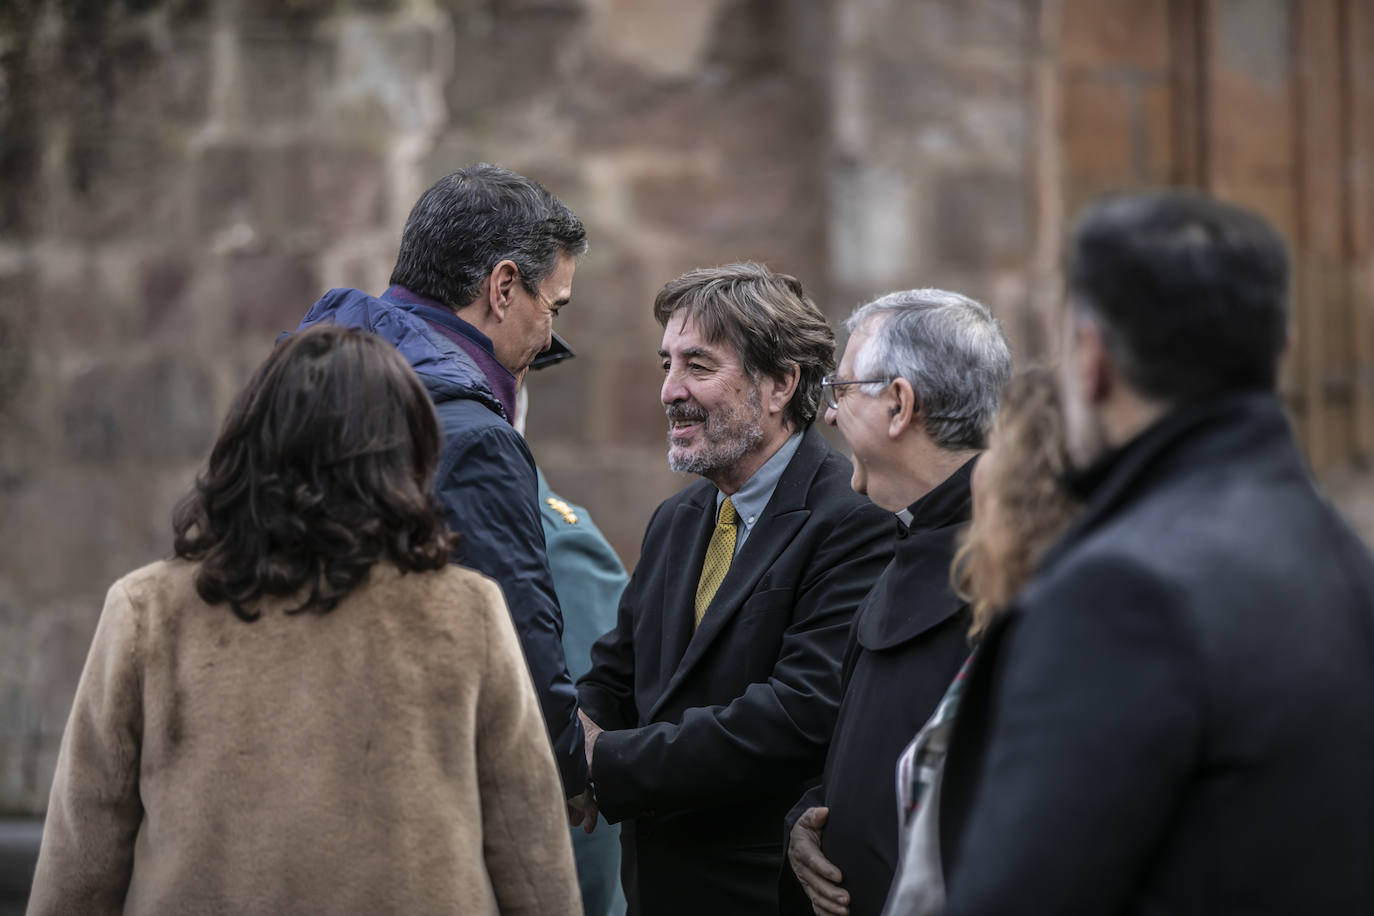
[309, 710]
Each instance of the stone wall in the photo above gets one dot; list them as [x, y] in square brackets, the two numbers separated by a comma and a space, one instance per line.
[182, 178]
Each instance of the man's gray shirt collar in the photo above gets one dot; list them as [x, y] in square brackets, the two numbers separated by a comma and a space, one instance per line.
[752, 498]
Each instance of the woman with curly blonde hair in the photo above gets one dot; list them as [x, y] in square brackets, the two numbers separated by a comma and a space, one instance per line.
[1019, 504]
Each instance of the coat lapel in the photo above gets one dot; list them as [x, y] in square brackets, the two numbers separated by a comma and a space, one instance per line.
[691, 529]
[784, 516]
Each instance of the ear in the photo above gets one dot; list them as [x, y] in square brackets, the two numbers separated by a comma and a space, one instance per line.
[778, 389]
[902, 413]
[500, 288]
[1095, 370]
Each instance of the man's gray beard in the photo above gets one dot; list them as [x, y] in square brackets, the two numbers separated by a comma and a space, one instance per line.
[744, 434]
[723, 456]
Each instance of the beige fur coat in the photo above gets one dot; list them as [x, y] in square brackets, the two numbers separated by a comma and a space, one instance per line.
[386, 757]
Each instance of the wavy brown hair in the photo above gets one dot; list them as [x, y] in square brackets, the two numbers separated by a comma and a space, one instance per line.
[323, 469]
[1019, 504]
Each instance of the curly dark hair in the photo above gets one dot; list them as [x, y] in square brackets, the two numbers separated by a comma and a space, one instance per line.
[323, 468]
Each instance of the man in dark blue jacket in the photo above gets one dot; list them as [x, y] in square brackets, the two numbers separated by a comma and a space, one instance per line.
[486, 263]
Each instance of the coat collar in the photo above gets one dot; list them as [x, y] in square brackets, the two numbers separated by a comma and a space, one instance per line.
[688, 535]
[949, 503]
[914, 593]
[447, 372]
[1198, 437]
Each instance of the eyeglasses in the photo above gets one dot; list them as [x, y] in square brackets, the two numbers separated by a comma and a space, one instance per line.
[830, 386]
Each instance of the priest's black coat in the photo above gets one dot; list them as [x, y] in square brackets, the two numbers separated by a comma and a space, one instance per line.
[907, 642]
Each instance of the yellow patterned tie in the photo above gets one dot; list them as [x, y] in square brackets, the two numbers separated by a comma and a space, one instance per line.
[719, 553]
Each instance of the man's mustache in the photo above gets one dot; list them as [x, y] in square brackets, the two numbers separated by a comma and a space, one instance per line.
[684, 412]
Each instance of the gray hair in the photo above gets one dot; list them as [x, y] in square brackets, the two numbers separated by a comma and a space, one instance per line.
[952, 351]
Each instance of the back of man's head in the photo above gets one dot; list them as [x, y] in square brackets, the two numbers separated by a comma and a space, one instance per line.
[950, 349]
[768, 319]
[1191, 294]
[471, 220]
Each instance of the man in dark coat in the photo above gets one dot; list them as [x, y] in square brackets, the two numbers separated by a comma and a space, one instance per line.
[1177, 715]
[718, 687]
[915, 395]
[486, 263]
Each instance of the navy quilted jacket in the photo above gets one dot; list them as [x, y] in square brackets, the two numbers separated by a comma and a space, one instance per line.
[486, 481]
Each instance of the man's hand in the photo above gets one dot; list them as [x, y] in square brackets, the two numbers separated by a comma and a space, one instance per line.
[592, 731]
[582, 811]
[818, 875]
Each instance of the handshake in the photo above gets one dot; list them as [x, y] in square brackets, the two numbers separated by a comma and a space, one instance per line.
[582, 808]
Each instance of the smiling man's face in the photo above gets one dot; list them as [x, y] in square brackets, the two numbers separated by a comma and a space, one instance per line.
[714, 409]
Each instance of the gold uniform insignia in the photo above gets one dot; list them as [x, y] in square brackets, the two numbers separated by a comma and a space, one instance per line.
[562, 509]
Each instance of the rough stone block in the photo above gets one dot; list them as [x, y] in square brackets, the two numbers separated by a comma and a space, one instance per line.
[161, 409]
[981, 221]
[120, 184]
[452, 150]
[383, 82]
[762, 123]
[1096, 134]
[871, 226]
[226, 179]
[525, 56]
[16, 774]
[740, 200]
[1251, 149]
[630, 389]
[966, 25]
[514, 7]
[59, 640]
[20, 148]
[666, 38]
[1156, 160]
[562, 408]
[1116, 34]
[335, 191]
[164, 282]
[1255, 40]
[371, 273]
[300, 13]
[16, 708]
[77, 312]
[23, 419]
[43, 767]
[70, 533]
[285, 73]
[19, 312]
[157, 77]
[270, 292]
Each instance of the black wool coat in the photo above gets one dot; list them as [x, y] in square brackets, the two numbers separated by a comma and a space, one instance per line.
[713, 734]
[1177, 716]
[908, 640]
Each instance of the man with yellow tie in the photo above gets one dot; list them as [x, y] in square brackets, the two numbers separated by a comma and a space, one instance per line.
[718, 687]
